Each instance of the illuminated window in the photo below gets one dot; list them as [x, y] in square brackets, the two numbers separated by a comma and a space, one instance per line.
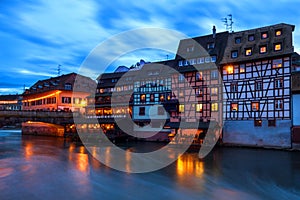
[251, 38]
[238, 40]
[255, 106]
[279, 104]
[242, 68]
[199, 76]
[278, 32]
[214, 107]
[142, 97]
[234, 54]
[66, 100]
[264, 35]
[199, 107]
[257, 122]
[229, 69]
[181, 108]
[234, 107]
[277, 47]
[181, 93]
[161, 97]
[248, 51]
[263, 49]
[277, 63]
[142, 111]
[214, 91]
[278, 83]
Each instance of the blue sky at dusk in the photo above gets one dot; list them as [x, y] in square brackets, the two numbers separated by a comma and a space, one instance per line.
[38, 35]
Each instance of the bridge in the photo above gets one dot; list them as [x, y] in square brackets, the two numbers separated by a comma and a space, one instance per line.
[15, 118]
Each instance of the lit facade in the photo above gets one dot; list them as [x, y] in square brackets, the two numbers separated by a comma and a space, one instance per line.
[10, 102]
[58, 94]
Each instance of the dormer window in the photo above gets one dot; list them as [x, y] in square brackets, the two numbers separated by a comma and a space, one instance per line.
[277, 47]
[238, 40]
[248, 51]
[264, 35]
[210, 45]
[234, 54]
[263, 49]
[278, 32]
[190, 49]
[251, 38]
[68, 86]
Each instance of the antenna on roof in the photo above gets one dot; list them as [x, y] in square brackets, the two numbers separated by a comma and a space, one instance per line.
[58, 70]
[228, 22]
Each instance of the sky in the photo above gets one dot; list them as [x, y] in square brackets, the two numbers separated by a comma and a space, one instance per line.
[37, 36]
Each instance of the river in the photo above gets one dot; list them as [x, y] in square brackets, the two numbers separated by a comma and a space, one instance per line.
[52, 168]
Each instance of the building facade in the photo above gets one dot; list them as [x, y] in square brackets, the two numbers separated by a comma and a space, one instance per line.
[58, 94]
[241, 80]
[10, 102]
[256, 70]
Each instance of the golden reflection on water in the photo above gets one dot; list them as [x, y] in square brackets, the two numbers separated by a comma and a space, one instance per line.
[190, 165]
[28, 153]
[80, 159]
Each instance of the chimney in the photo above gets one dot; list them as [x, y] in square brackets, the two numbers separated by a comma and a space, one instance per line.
[214, 31]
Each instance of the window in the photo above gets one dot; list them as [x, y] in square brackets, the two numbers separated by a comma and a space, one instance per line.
[213, 58]
[277, 47]
[251, 38]
[242, 68]
[258, 85]
[181, 108]
[199, 76]
[199, 92]
[142, 111]
[190, 49]
[229, 69]
[271, 122]
[66, 99]
[207, 59]
[180, 63]
[214, 74]
[264, 35]
[257, 122]
[214, 107]
[161, 97]
[210, 45]
[255, 106]
[192, 61]
[151, 97]
[68, 86]
[234, 54]
[238, 40]
[278, 104]
[278, 32]
[186, 63]
[279, 83]
[160, 110]
[181, 93]
[200, 60]
[199, 107]
[277, 63]
[248, 51]
[181, 78]
[263, 49]
[234, 87]
[214, 91]
[234, 107]
[142, 98]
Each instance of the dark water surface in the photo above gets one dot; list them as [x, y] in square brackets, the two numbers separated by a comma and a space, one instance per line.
[51, 168]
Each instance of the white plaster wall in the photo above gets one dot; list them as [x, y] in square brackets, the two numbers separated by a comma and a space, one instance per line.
[245, 133]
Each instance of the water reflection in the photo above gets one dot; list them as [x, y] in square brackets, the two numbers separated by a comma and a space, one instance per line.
[36, 167]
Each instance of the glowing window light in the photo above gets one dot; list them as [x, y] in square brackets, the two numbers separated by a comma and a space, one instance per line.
[43, 97]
